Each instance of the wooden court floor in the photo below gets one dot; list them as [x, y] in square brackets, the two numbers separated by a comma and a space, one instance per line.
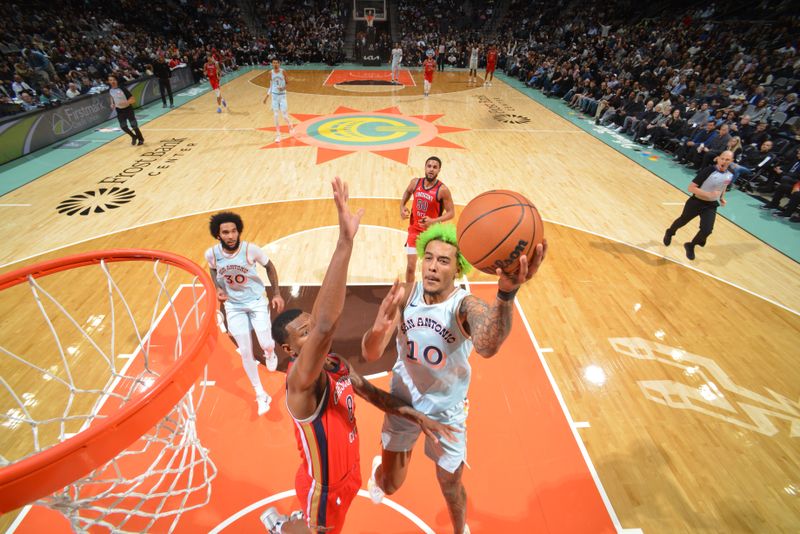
[679, 378]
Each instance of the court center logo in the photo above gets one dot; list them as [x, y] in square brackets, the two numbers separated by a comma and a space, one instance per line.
[96, 201]
[385, 132]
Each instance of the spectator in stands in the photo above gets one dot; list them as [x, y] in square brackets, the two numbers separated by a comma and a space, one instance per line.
[671, 129]
[40, 64]
[706, 154]
[761, 112]
[20, 85]
[630, 122]
[72, 90]
[789, 187]
[28, 103]
[46, 97]
[701, 137]
[758, 136]
[645, 129]
[701, 116]
[755, 161]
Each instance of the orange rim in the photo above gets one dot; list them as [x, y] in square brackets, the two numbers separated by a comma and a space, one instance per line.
[58, 466]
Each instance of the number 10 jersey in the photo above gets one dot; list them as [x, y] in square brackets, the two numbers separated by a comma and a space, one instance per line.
[432, 370]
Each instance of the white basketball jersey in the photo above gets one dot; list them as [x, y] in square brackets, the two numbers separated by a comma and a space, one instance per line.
[397, 56]
[432, 371]
[276, 87]
[473, 57]
[238, 272]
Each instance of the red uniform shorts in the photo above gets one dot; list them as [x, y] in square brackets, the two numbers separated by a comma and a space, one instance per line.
[326, 507]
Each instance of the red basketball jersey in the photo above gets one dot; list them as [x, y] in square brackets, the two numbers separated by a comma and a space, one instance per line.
[491, 57]
[211, 71]
[429, 66]
[424, 203]
[328, 440]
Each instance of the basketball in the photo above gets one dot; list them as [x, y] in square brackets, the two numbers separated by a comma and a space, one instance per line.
[496, 228]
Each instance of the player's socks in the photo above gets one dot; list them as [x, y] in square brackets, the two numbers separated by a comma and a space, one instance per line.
[225, 104]
[263, 401]
[375, 491]
[273, 520]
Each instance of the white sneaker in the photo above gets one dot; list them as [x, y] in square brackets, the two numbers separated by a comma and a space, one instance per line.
[272, 519]
[263, 402]
[375, 492]
[277, 138]
[272, 361]
[466, 529]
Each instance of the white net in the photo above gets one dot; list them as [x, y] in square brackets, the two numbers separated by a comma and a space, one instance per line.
[81, 345]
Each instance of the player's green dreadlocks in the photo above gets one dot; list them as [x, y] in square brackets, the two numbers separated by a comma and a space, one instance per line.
[446, 233]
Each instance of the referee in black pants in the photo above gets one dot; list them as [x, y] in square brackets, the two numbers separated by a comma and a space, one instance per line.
[163, 72]
[123, 101]
[708, 192]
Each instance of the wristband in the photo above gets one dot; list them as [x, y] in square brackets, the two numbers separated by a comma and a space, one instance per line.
[507, 296]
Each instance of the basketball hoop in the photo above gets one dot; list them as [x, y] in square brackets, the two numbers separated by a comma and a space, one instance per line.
[97, 412]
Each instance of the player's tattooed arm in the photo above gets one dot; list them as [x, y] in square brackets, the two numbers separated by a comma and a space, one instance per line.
[386, 402]
[488, 325]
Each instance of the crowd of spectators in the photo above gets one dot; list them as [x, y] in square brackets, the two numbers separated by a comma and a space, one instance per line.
[52, 53]
[693, 85]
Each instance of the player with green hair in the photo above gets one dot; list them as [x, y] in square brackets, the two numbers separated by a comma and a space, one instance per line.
[437, 324]
[447, 234]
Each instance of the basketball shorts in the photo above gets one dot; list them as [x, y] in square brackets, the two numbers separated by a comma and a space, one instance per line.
[325, 507]
[490, 67]
[214, 84]
[279, 103]
[241, 317]
[399, 435]
[473, 65]
[429, 78]
[411, 243]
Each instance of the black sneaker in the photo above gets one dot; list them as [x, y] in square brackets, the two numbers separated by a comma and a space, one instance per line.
[141, 141]
[667, 238]
[133, 141]
[765, 207]
[782, 214]
[689, 250]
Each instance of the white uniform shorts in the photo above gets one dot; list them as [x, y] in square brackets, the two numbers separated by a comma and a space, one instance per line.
[399, 435]
[279, 103]
[242, 317]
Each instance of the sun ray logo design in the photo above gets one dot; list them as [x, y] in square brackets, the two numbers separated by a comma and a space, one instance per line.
[102, 200]
[385, 132]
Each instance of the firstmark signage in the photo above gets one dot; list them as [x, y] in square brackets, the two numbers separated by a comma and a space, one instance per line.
[111, 194]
